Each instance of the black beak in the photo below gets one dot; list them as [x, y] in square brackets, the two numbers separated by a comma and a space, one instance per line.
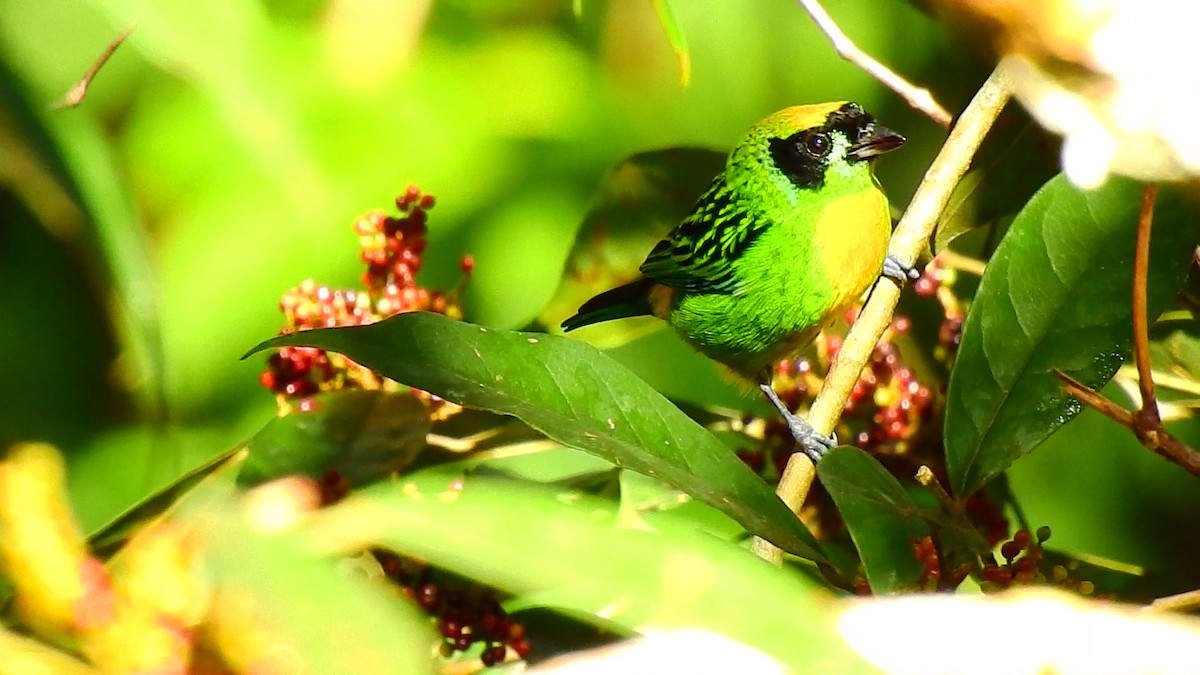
[874, 140]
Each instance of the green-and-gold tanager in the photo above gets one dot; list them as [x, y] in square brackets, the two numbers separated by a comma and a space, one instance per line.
[784, 240]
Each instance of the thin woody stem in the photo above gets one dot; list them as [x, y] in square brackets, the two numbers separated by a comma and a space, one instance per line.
[917, 97]
[1154, 437]
[79, 90]
[1141, 330]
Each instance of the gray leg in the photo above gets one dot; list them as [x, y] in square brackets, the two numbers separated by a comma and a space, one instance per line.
[898, 271]
[811, 443]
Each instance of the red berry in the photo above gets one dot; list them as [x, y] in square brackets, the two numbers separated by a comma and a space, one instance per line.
[427, 596]
[1021, 538]
[451, 629]
[522, 647]
[1010, 550]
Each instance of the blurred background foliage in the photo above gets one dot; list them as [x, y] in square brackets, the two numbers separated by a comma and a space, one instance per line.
[222, 154]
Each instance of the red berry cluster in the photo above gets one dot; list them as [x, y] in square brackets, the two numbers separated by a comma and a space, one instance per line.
[465, 615]
[1021, 558]
[392, 248]
[937, 281]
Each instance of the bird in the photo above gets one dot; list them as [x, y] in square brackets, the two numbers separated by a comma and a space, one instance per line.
[787, 237]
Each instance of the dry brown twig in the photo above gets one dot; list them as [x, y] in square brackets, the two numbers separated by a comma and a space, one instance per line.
[76, 94]
[917, 97]
[1145, 422]
[907, 243]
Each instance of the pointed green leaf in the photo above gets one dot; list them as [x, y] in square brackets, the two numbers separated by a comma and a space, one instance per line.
[107, 539]
[363, 435]
[636, 205]
[1055, 295]
[677, 38]
[562, 549]
[572, 393]
[883, 520]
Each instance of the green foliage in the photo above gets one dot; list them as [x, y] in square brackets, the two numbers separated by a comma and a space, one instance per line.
[218, 161]
[1055, 295]
[882, 518]
[636, 578]
[573, 394]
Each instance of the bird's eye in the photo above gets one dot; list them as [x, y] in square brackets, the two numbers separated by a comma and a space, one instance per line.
[817, 144]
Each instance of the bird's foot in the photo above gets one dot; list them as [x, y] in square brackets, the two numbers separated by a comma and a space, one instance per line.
[811, 443]
[899, 271]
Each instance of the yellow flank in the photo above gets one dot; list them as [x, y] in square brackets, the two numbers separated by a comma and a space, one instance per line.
[660, 300]
[853, 234]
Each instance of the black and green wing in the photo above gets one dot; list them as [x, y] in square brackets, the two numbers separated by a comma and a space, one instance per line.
[698, 255]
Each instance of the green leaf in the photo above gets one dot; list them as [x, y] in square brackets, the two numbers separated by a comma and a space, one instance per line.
[363, 435]
[637, 203]
[1016, 159]
[323, 619]
[573, 552]
[883, 520]
[574, 394]
[22, 655]
[107, 539]
[72, 147]
[677, 38]
[1177, 352]
[1055, 295]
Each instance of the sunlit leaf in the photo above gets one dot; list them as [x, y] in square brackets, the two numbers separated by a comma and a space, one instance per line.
[883, 520]
[109, 537]
[21, 655]
[362, 435]
[274, 591]
[1055, 295]
[638, 202]
[677, 37]
[633, 577]
[572, 393]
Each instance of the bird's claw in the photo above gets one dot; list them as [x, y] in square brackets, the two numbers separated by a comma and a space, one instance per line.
[899, 271]
[811, 443]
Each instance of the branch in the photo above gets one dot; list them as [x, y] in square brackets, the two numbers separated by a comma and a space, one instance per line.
[75, 95]
[1146, 422]
[1153, 436]
[907, 242]
[917, 97]
[1141, 329]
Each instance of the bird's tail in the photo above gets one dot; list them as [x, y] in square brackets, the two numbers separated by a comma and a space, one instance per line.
[632, 299]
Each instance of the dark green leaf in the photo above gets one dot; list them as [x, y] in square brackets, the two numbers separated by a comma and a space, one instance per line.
[1055, 295]
[72, 146]
[1016, 159]
[883, 520]
[362, 435]
[636, 205]
[561, 549]
[572, 393]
